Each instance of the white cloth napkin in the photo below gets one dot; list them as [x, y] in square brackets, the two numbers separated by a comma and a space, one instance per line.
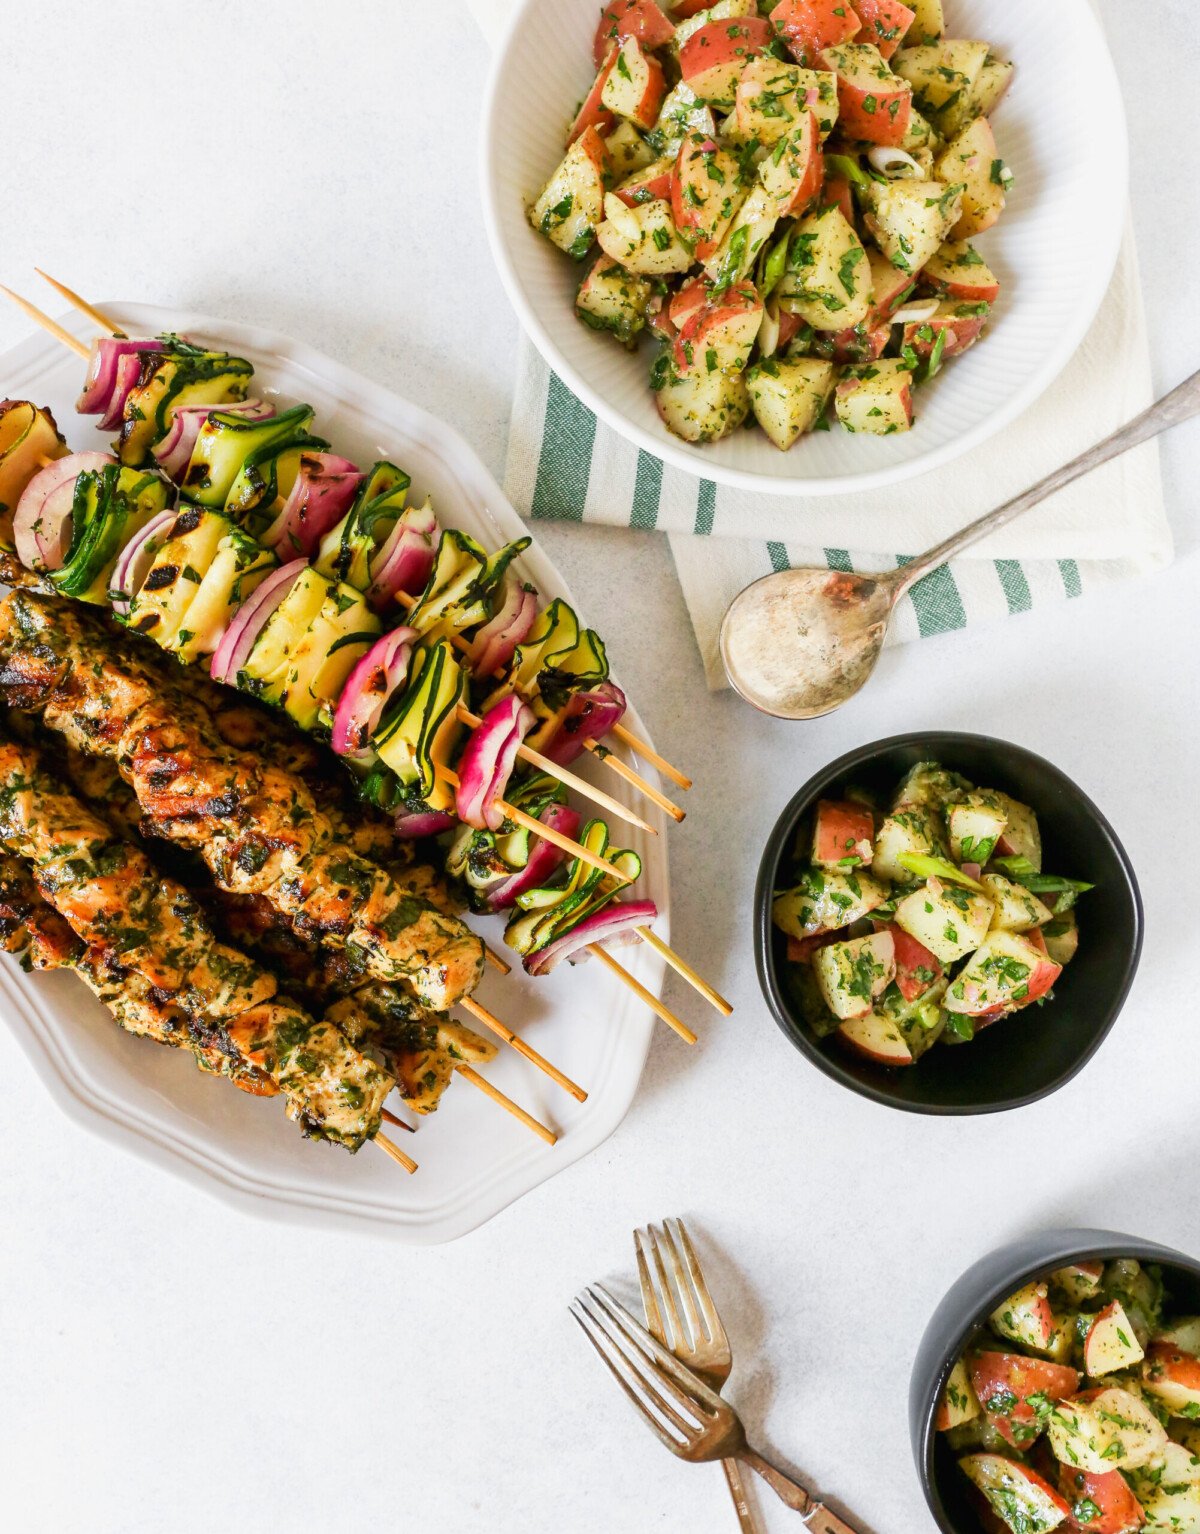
[565, 465]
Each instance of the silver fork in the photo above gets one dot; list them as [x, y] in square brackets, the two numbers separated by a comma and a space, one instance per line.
[687, 1416]
[703, 1344]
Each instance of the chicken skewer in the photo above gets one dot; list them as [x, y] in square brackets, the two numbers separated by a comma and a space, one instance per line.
[421, 1050]
[256, 827]
[131, 919]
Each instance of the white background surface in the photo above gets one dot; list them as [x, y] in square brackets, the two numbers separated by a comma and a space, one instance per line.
[171, 1365]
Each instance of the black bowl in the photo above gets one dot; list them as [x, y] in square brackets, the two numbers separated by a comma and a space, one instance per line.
[1023, 1057]
[968, 1304]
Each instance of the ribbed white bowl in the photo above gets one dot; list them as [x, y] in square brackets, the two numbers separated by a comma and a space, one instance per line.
[1061, 130]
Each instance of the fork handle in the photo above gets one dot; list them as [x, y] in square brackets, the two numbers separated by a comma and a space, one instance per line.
[733, 1477]
[819, 1519]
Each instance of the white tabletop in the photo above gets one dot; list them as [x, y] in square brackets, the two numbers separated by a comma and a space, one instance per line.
[172, 1365]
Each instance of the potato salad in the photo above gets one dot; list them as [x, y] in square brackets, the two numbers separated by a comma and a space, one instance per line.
[926, 920]
[784, 197]
[1078, 1404]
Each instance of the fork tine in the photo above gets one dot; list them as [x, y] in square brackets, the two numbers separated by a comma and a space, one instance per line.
[636, 1369]
[684, 1286]
[671, 1375]
[681, 1340]
[654, 1323]
[594, 1334]
[712, 1319]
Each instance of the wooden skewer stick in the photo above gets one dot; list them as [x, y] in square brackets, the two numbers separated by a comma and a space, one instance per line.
[648, 754]
[615, 764]
[547, 833]
[682, 967]
[394, 1152]
[640, 991]
[79, 303]
[497, 1096]
[501, 1030]
[496, 961]
[597, 795]
[52, 327]
[394, 1118]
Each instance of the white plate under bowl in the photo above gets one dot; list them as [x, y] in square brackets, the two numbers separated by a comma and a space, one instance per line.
[1061, 130]
[474, 1159]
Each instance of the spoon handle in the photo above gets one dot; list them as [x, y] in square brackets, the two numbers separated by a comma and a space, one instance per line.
[1180, 405]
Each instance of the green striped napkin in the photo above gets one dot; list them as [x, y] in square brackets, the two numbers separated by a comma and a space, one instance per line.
[564, 465]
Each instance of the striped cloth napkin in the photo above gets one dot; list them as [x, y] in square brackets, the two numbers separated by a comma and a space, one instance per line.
[564, 465]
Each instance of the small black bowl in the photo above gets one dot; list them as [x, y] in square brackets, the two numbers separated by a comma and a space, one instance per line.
[1023, 1057]
[967, 1306]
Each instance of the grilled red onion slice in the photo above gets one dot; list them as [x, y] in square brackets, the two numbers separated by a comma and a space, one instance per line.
[406, 558]
[42, 520]
[107, 352]
[368, 687]
[614, 924]
[136, 558]
[495, 642]
[129, 370]
[250, 620]
[588, 716]
[411, 827]
[174, 452]
[544, 858]
[488, 761]
[325, 486]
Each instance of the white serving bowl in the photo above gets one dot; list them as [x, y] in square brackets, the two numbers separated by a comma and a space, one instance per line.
[1061, 130]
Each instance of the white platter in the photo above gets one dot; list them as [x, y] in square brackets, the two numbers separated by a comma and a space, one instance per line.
[1061, 129]
[474, 1159]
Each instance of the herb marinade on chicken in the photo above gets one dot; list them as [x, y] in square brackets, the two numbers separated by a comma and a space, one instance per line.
[257, 825]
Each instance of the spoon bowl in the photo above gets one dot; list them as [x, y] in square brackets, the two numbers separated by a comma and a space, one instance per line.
[800, 643]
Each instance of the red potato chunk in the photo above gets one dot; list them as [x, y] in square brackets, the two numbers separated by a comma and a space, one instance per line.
[959, 272]
[808, 27]
[916, 968]
[794, 171]
[636, 86]
[1007, 970]
[884, 23]
[878, 1039]
[712, 59]
[653, 183]
[1004, 1384]
[1101, 1504]
[1016, 1489]
[631, 18]
[843, 833]
[876, 397]
[971, 159]
[874, 105]
[1026, 1317]
[957, 325]
[837, 193]
[1174, 1377]
[706, 193]
[852, 975]
[719, 337]
[592, 113]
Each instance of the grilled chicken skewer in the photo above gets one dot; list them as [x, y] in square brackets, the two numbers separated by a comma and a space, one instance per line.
[422, 1050]
[32, 928]
[131, 918]
[257, 826]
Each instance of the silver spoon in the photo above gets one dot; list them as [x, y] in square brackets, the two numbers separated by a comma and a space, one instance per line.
[800, 643]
